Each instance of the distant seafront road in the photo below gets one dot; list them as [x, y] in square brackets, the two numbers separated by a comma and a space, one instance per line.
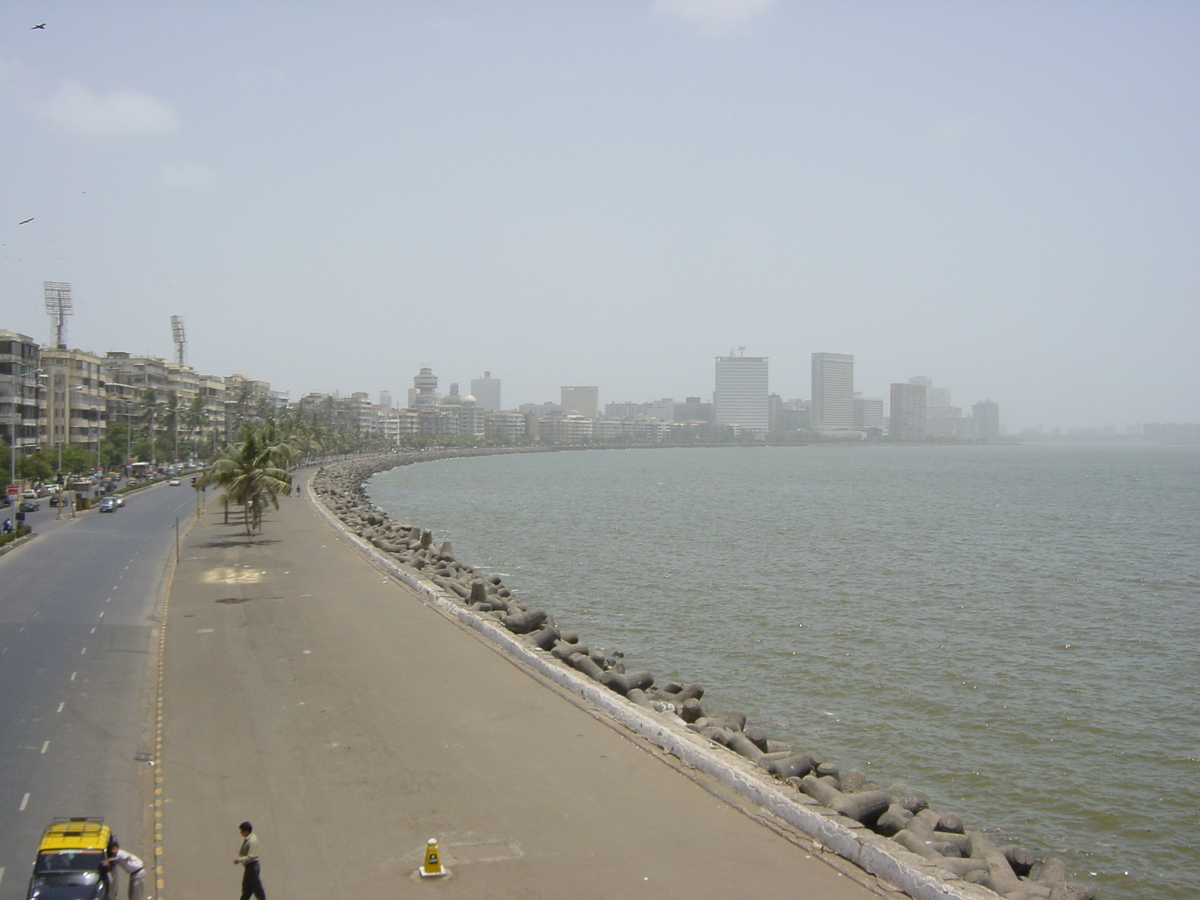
[308, 692]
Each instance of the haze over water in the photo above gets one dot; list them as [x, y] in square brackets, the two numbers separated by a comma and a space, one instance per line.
[1008, 631]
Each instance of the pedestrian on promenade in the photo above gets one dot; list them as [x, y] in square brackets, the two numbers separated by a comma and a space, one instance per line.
[133, 867]
[248, 860]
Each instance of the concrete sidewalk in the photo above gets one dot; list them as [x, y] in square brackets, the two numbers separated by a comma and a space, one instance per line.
[350, 722]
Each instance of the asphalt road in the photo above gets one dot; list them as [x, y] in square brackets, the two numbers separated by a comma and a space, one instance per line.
[77, 656]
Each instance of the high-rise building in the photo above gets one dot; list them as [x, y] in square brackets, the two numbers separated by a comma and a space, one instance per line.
[740, 397]
[868, 414]
[75, 405]
[20, 361]
[908, 411]
[986, 414]
[486, 391]
[424, 389]
[833, 391]
[941, 419]
[582, 400]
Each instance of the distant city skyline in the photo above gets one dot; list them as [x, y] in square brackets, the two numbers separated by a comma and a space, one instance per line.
[824, 366]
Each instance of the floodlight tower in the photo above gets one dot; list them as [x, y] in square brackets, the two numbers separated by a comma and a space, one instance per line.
[58, 305]
[178, 336]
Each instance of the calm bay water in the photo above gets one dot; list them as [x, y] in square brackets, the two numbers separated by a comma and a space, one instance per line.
[1008, 631]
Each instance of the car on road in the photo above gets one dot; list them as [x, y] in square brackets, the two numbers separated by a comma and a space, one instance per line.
[120, 498]
[173, 482]
[68, 861]
[28, 505]
[108, 504]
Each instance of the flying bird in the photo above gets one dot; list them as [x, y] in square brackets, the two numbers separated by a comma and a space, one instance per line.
[36, 27]
[27, 221]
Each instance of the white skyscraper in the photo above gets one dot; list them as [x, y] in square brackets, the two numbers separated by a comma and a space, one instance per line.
[832, 391]
[741, 392]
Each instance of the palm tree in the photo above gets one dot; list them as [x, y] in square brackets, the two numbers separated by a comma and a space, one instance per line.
[173, 407]
[150, 410]
[195, 417]
[252, 472]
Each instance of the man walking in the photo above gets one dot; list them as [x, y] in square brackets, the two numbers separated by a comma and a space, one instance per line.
[248, 860]
[132, 866]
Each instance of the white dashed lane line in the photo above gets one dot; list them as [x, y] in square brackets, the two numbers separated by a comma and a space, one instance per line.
[60, 706]
[24, 803]
[45, 747]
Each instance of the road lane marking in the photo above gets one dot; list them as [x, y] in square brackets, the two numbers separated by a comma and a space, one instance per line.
[102, 615]
[24, 803]
[60, 706]
[93, 631]
[45, 746]
[83, 651]
[73, 674]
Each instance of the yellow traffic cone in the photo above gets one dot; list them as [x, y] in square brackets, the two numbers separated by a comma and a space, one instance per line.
[432, 867]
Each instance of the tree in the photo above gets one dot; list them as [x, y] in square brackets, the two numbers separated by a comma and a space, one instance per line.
[195, 417]
[252, 473]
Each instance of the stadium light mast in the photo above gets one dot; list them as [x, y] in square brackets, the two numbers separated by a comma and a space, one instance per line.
[58, 305]
[178, 336]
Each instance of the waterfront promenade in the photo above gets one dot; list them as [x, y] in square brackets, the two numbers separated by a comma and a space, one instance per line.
[308, 692]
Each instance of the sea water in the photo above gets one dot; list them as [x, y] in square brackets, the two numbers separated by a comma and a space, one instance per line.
[1008, 631]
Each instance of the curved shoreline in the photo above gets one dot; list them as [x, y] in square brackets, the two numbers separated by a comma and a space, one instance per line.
[897, 839]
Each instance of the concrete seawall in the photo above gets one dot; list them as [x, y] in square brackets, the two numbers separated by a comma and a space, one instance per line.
[898, 839]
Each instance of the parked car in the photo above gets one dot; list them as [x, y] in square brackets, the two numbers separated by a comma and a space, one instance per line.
[68, 861]
[28, 505]
[108, 504]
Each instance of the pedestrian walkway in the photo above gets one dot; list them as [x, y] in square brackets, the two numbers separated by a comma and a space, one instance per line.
[309, 693]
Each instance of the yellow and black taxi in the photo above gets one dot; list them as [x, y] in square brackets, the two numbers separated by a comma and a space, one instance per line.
[68, 861]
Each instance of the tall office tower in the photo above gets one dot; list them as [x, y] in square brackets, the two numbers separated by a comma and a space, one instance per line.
[833, 391]
[486, 391]
[583, 400]
[740, 397]
[986, 414]
[908, 411]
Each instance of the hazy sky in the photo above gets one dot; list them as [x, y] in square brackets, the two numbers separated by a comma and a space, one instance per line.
[1004, 196]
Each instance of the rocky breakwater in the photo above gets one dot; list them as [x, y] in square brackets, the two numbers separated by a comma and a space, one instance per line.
[900, 839]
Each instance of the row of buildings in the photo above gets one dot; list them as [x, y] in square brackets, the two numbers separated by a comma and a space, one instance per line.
[54, 397]
[917, 410]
